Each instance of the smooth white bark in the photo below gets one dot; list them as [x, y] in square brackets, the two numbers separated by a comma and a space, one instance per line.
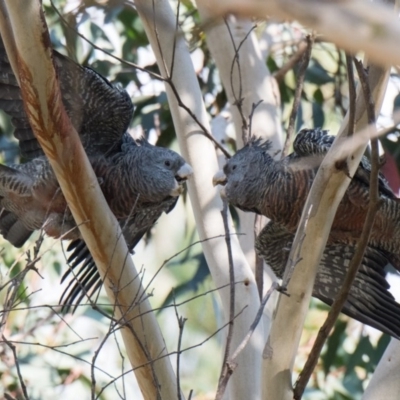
[246, 78]
[30, 47]
[316, 221]
[355, 25]
[205, 200]
[385, 383]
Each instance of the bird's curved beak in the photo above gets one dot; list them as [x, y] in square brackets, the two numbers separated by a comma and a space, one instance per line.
[183, 174]
[219, 178]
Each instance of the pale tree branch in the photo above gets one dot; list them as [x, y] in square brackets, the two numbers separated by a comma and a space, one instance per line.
[201, 155]
[385, 382]
[314, 227]
[231, 362]
[234, 44]
[59, 140]
[224, 371]
[372, 26]
[247, 83]
[255, 106]
[305, 60]
[359, 251]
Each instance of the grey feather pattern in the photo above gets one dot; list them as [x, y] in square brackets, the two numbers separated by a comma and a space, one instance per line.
[369, 300]
[138, 180]
[254, 181]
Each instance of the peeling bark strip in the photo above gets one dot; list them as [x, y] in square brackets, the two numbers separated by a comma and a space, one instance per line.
[31, 96]
[52, 134]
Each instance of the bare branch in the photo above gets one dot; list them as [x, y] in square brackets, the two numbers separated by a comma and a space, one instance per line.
[225, 367]
[204, 130]
[323, 199]
[352, 95]
[231, 362]
[239, 98]
[181, 325]
[297, 94]
[121, 60]
[293, 60]
[257, 319]
[359, 252]
[372, 26]
[20, 378]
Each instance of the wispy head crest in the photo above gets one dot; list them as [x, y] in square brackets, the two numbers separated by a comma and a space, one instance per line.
[259, 143]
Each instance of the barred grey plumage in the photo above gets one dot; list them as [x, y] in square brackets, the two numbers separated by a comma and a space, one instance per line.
[254, 181]
[369, 300]
[138, 180]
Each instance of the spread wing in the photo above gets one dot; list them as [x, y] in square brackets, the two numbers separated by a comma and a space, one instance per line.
[99, 111]
[369, 300]
[101, 114]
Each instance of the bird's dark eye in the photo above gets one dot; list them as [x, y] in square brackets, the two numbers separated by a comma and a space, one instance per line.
[167, 163]
[233, 167]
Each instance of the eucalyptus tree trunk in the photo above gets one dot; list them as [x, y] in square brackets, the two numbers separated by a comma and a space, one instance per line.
[174, 61]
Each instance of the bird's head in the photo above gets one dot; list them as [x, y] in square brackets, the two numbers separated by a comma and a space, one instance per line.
[243, 173]
[163, 173]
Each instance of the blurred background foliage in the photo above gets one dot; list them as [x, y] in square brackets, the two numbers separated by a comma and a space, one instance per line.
[55, 352]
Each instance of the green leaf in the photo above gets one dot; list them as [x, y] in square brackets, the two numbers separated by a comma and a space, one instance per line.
[272, 65]
[318, 115]
[396, 103]
[317, 74]
[334, 343]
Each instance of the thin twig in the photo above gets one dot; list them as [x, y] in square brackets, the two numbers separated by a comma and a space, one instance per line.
[293, 60]
[225, 370]
[20, 378]
[121, 60]
[259, 262]
[154, 14]
[15, 284]
[93, 363]
[352, 95]
[177, 254]
[204, 130]
[174, 352]
[181, 325]
[167, 80]
[250, 127]
[238, 98]
[338, 84]
[359, 251]
[298, 245]
[297, 94]
[231, 363]
[178, 7]
[256, 321]
[117, 343]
